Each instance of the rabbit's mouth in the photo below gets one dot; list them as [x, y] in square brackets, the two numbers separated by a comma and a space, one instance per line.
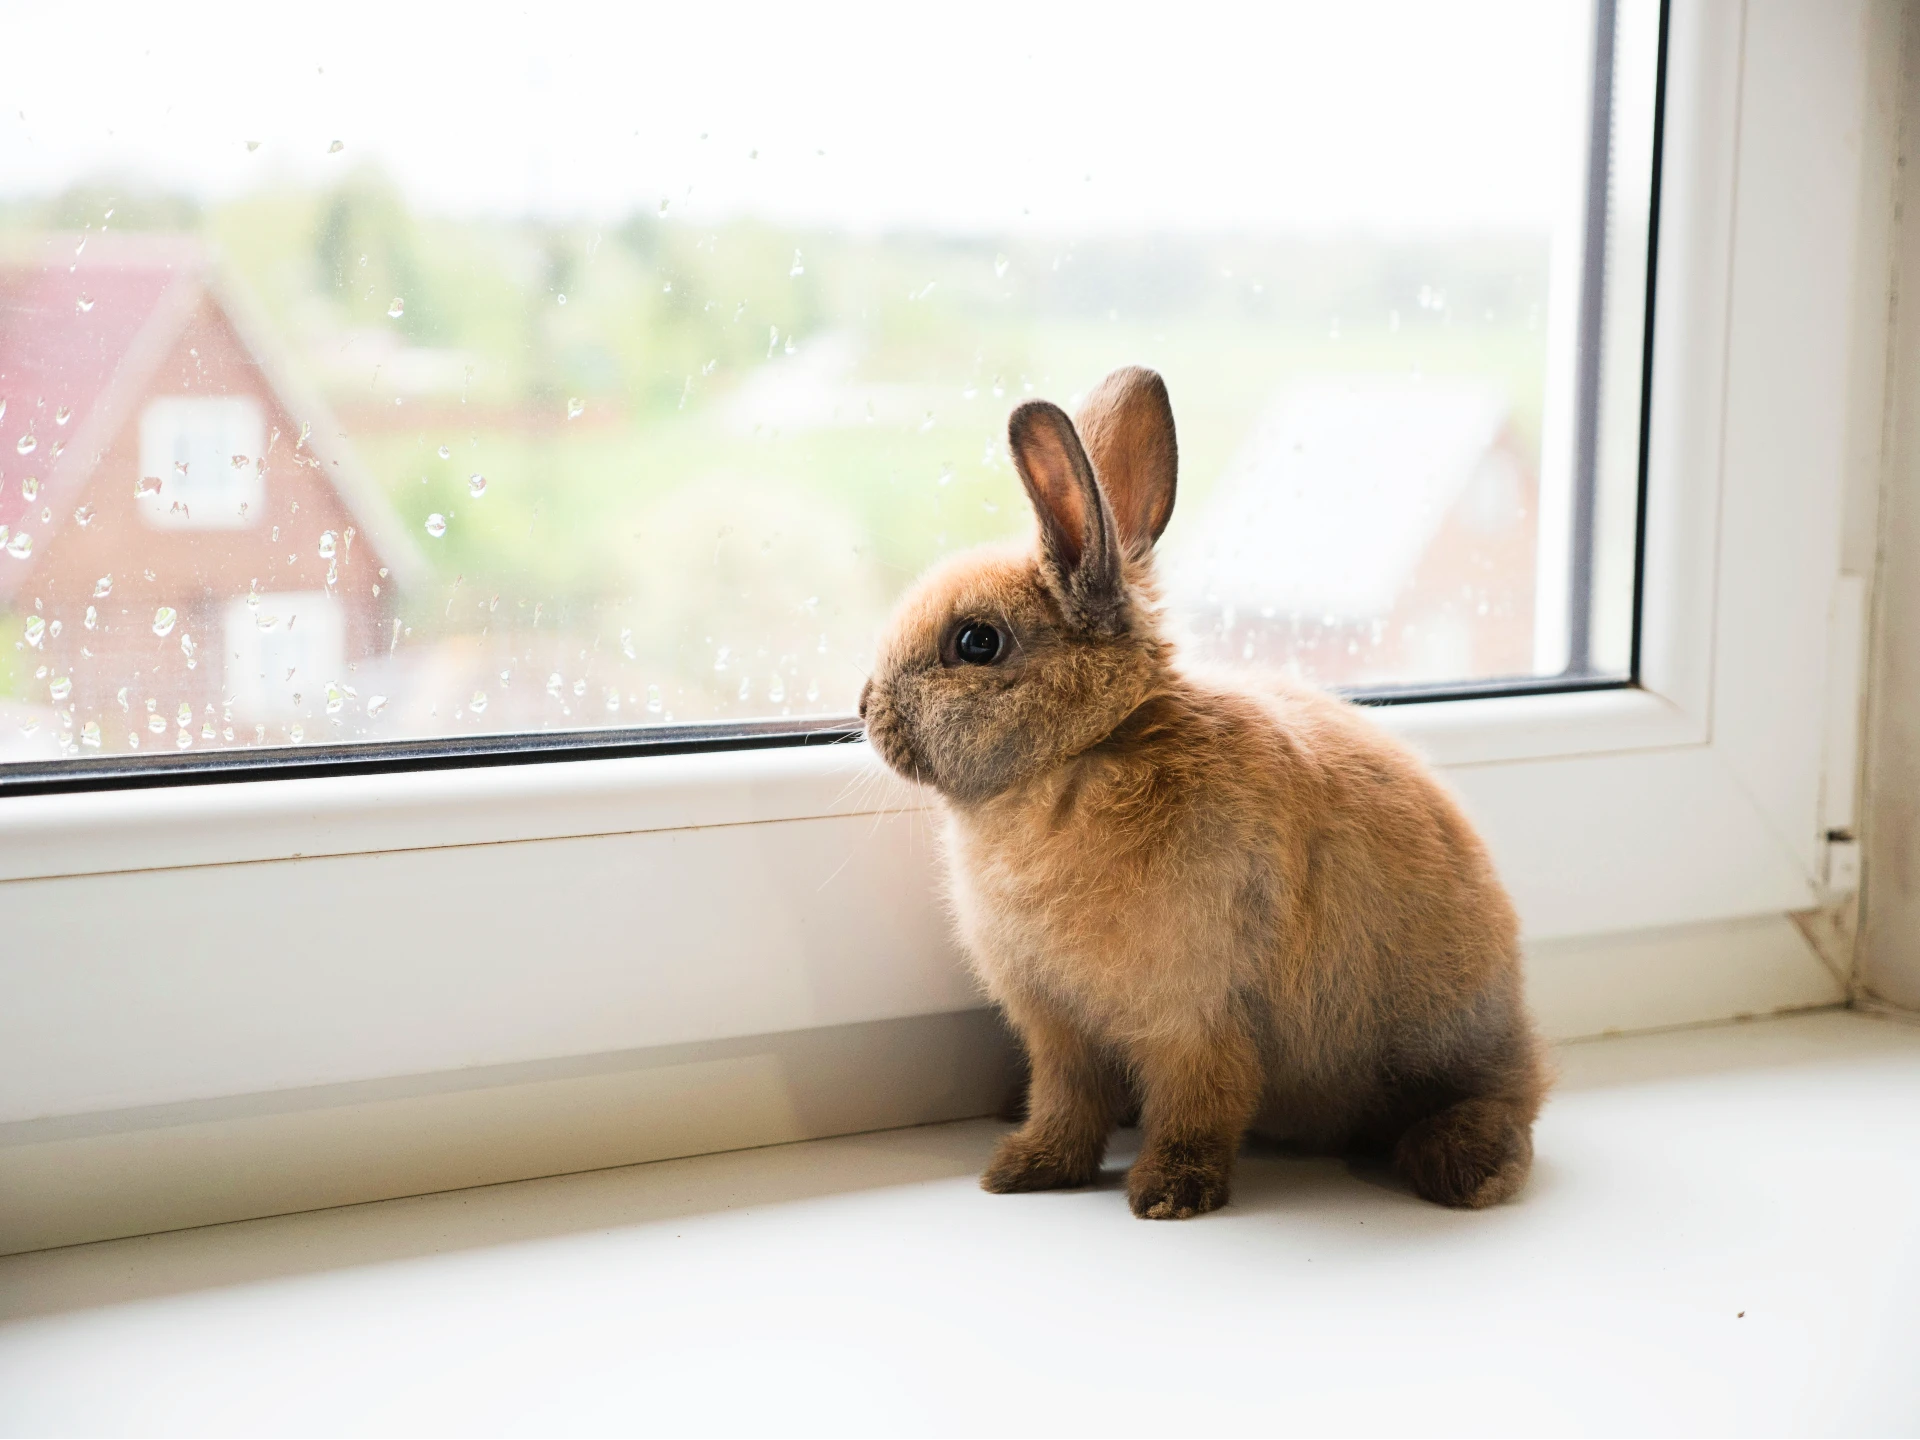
[889, 737]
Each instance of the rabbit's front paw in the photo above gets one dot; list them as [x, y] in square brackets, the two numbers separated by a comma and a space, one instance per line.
[1178, 1181]
[1032, 1162]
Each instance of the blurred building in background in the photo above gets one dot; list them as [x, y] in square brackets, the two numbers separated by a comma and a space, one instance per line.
[1373, 529]
[191, 551]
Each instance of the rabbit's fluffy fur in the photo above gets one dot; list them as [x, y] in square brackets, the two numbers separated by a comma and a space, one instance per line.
[1237, 911]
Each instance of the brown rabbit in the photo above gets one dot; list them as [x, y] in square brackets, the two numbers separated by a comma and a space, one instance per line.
[1241, 911]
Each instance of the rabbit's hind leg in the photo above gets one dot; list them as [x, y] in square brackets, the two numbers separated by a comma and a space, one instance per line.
[1475, 1152]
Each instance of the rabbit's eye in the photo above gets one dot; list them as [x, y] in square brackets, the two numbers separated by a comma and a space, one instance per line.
[977, 643]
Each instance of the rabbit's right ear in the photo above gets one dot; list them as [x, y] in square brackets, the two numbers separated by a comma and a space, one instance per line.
[1079, 544]
[1127, 424]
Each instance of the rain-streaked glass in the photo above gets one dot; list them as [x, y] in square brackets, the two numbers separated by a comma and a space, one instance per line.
[368, 375]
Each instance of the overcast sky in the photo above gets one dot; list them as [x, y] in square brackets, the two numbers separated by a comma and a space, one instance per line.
[1396, 117]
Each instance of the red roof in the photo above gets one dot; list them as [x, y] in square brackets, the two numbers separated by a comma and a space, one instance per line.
[66, 323]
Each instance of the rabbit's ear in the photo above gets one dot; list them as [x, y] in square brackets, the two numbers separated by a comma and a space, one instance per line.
[1127, 424]
[1077, 536]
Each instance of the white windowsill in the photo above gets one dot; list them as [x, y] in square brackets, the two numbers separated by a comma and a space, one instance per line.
[168, 827]
[866, 1285]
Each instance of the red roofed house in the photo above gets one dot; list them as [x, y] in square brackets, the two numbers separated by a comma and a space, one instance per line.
[189, 554]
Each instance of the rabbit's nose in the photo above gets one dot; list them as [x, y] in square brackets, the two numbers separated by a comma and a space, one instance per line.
[865, 691]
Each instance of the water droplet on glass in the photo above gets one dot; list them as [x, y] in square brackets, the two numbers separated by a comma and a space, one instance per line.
[653, 699]
[83, 304]
[240, 462]
[375, 704]
[63, 415]
[36, 630]
[999, 266]
[329, 543]
[297, 734]
[93, 618]
[187, 647]
[157, 724]
[336, 698]
[945, 477]
[21, 546]
[626, 644]
[27, 444]
[561, 298]
[336, 147]
[579, 687]
[813, 691]
[746, 687]
[777, 692]
[554, 682]
[61, 687]
[147, 485]
[798, 268]
[252, 145]
[29, 488]
[436, 524]
[478, 703]
[445, 453]
[83, 517]
[183, 738]
[185, 713]
[163, 619]
[396, 308]
[90, 734]
[575, 407]
[613, 700]
[476, 485]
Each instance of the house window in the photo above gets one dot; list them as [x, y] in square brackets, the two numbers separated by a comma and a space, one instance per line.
[285, 658]
[201, 462]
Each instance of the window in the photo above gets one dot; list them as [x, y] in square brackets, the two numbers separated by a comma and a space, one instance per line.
[456, 924]
[618, 406]
[201, 462]
[280, 650]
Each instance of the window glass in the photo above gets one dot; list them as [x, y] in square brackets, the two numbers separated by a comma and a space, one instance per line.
[366, 377]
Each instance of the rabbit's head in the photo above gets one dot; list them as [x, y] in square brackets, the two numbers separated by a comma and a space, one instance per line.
[1005, 662]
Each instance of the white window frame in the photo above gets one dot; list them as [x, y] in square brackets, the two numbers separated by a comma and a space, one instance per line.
[503, 914]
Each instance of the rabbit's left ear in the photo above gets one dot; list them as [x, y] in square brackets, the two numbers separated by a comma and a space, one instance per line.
[1079, 545]
[1127, 424]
